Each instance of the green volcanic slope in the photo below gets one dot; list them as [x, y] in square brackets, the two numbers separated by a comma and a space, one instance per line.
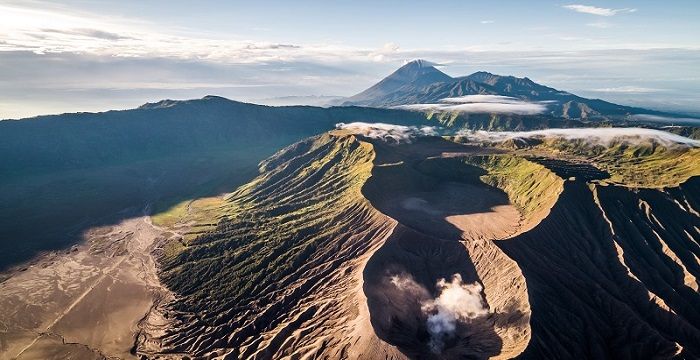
[337, 248]
[645, 164]
[299, 230]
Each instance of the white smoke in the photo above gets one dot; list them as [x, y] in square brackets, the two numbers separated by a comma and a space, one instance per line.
[405, 283]
[388, 132]
[593, 136]
[491, 104]
[418, 204]
[456, 302]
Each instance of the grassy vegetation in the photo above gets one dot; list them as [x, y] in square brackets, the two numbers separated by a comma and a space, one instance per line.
[307, 203]
[657, 169]
[642, 163]
[530, 186]
[201, 211]
[500, 122]
[648, 164]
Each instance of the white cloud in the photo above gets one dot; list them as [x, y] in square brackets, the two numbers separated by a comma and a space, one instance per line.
[45, 31]
[388, 132]
[387, 50]
[493, 104]
[600, 25]
[57, 30]
[666, 120]
[595, 136]
[594, 10]
[481, 99]
[628, 90]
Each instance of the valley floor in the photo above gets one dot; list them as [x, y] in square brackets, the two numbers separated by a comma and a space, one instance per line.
[87, 302]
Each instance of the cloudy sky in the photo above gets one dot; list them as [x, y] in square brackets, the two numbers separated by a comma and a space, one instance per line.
[83, 55]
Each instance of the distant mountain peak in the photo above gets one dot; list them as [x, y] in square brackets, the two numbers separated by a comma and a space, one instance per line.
[491, 79]
[419, 70]
[416, 73]
[420, 63]
[482, 73]
[216, 98]
[419, 82]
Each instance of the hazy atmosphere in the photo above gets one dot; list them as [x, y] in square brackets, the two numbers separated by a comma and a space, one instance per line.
[68, 56]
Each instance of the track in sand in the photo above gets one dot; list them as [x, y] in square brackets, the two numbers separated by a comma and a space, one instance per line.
[86, 303]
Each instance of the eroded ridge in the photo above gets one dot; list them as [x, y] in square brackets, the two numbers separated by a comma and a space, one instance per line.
[613, 266]
[280, 275]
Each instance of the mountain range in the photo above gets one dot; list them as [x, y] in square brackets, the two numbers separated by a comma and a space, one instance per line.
[421, 82]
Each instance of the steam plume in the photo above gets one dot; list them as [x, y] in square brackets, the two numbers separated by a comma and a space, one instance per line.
[456, 302]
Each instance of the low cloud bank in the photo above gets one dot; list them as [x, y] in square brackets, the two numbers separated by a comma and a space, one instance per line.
[388, 132]
[481, 99]
[666, 119]
[492, 104]
[456, 302]
[593, 136]
[628, 90]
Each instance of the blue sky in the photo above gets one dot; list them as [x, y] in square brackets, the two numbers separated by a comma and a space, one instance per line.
[97, 55]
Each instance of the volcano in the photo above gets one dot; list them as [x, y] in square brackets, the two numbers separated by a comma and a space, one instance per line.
[351, 246]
